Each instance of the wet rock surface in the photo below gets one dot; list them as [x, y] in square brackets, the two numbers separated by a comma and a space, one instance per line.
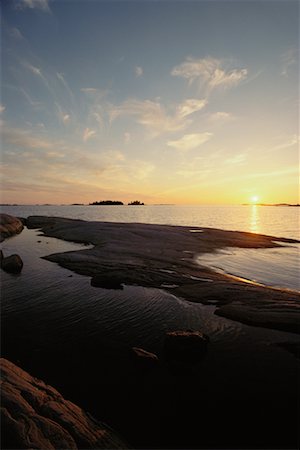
[12, 263]
[9, 226]
[35, 415]
[185, 346]
[144, 359]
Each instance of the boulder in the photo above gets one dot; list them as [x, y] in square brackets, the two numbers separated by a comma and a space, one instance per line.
[144, 359]
[12, 264]
[36, 416]
[9, 225]
[1, 256]
[185, 346]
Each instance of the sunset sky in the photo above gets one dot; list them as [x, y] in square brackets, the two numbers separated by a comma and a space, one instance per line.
[188, 102]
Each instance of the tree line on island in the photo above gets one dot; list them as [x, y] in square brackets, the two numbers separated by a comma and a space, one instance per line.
[115, 202]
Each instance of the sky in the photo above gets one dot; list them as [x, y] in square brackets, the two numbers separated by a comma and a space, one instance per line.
[185, 102]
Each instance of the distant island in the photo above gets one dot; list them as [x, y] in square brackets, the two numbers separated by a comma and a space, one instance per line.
[136, 202]
[271, 204]
[107, 202]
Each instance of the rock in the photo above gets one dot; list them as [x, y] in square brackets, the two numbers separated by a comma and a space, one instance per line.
[12, 264]
[1, 256]
[185, 346]
[35, 415]
[144, 359]
[9, 225]
[106, 282]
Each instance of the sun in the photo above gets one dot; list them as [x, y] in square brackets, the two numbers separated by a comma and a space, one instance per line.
[254, 199]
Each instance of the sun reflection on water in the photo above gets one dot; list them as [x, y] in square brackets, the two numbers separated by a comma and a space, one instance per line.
[254, 219]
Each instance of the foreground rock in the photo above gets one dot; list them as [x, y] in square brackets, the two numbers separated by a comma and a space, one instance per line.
[35, 415]
[185, 346]
[12, 264]
[9, 226]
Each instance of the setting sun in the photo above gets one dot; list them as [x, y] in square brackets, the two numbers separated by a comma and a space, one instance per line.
[254, 199]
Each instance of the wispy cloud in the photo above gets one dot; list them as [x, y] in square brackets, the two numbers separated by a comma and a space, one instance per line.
[2, 108]
[127, 137]
[209, 72]
[190, 141]
[139, 71]
[37, 72]
[63, 116]
[221, 115]
[289, 59]
[24, 139]
[189, 106]
[61, 77]
[148, 113]
[87, 134]
[237, 159]
[15, 33]
[89, 90]
[42, 5]
[32, 102]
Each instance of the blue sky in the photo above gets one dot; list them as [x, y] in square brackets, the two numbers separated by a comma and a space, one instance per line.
[164, 101]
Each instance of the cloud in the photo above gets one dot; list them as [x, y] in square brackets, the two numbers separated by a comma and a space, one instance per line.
[38, 72]
[42, 5]
[209, 72]
[148, 113]
[2, 108]
[87, 134]
[62, 115]
[190, 141]
[138, 71]
[289, 59]
[127, 137]
[221, 115]
[24, 139]
[65, 84]
[237, 159]
[100, 93]
[33, 103]
[15, 33]
[190, 106]
[89, 90]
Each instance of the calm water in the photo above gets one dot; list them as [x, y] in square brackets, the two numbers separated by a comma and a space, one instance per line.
[274, 267]
[275, 221]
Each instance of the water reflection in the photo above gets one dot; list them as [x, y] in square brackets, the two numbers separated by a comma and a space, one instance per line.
[254, 220]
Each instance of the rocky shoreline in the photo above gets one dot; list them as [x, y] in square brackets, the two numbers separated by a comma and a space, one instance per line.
[165, 256]
[196, 392]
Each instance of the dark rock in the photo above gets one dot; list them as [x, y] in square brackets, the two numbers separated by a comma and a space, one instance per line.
[1, 256]
[12, 264]
[185, 346]
[106, 282]
[9, 225]
[144, 359]
[35, 415]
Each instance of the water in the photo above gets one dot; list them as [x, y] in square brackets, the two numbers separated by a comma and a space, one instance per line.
[274, 267]
[271, 220]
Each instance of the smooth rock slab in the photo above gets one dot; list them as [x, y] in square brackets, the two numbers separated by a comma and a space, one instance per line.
[36, 416]
[12, 264]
